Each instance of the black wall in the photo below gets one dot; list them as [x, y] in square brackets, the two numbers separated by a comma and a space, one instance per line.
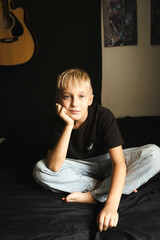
[68, 34]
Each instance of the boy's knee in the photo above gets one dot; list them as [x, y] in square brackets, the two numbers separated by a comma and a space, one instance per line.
[38, 171]
[155, 155]
[154, 150]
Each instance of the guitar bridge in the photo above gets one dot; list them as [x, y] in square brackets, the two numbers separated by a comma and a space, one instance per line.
[8, 40]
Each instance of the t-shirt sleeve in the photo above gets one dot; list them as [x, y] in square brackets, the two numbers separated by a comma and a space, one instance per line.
[55, 132]
[112, 135]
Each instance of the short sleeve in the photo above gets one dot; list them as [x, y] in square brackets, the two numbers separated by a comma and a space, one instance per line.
[111, 132]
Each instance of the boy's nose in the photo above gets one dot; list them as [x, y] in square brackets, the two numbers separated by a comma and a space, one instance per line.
[74, 101]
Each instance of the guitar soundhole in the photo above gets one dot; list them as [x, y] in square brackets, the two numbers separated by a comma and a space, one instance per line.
[8, 24]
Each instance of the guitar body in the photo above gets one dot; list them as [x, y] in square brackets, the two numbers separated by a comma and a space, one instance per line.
[16, 43]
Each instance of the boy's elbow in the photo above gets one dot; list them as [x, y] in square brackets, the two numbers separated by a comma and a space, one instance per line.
[53, 162]
[51, 167]
[49, 162]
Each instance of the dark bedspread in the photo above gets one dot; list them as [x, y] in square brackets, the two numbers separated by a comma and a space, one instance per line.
[27, 212]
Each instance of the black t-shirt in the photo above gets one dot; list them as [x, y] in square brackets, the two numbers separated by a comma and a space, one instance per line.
[96, 135]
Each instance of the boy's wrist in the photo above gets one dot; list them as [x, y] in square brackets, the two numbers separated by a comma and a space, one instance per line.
[69, 125]
[112, 203]
[111, 206]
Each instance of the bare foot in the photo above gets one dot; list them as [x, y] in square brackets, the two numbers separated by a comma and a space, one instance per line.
[80, 197]
[135, 191]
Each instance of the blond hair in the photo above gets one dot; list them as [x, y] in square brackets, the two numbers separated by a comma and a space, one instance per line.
[75, 76]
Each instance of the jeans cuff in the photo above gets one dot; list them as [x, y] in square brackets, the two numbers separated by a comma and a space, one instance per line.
[99, 197]
[91, 187]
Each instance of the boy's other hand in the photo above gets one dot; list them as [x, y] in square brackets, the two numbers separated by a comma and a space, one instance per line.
[62, 112]
[107, 218]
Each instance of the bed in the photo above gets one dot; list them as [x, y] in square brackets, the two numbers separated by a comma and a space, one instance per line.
[28, 212]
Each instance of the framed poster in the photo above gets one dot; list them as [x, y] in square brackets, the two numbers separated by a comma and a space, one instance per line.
[120, 22]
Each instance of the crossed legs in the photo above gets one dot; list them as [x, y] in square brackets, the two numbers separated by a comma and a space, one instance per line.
[79, 177]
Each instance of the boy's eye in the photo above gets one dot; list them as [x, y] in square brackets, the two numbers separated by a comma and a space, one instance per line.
[82, 96]
[66, 97]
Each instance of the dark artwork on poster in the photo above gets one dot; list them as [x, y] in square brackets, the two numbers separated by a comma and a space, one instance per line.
[155, 22]
[120, 22]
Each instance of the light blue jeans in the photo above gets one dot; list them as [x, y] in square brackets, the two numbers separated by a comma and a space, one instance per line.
[82, 175]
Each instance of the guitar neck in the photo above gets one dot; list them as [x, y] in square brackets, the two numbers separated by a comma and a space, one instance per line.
[6, 13]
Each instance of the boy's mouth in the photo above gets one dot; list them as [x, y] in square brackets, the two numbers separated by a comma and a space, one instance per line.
[74, 111]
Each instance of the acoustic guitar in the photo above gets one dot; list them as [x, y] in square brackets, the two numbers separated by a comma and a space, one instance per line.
[16, 42]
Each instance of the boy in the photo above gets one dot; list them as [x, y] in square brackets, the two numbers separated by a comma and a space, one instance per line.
[85, 156]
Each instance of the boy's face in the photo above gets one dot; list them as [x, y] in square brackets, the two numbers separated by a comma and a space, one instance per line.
[76, 99]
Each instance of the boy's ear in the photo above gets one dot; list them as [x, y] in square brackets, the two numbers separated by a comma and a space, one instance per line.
[91, 100]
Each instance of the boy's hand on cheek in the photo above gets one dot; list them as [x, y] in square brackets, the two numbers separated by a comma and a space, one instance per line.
[107, 218]
[62, 112]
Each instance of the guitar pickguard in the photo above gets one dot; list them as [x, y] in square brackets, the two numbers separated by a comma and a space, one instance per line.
[17, 29]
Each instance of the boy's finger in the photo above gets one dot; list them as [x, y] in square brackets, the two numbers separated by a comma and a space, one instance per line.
[58, 107]
[116, 222]
[101, 220]
[112, 223]
[105, 223]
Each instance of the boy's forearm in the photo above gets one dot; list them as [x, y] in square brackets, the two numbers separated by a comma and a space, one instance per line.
[117, 184]
[108, 217]
[56, 156]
